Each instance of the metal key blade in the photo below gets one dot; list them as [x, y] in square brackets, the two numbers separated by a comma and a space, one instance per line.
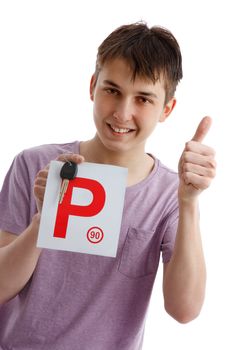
[63, 190]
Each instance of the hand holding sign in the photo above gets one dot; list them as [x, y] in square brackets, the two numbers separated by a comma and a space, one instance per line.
[41, 177]
[197, 164]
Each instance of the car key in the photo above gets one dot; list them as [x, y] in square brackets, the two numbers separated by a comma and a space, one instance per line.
[68, 172]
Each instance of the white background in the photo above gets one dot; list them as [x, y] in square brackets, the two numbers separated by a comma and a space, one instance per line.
[47, 56]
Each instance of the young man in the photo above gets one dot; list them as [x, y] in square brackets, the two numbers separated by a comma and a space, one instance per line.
[62, 300]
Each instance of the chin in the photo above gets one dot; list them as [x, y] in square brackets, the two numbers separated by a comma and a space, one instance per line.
[115, 146]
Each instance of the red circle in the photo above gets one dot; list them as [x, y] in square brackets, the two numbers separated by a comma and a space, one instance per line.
[95, 235]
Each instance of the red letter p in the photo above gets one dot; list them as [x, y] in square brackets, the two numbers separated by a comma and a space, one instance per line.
[66, 208]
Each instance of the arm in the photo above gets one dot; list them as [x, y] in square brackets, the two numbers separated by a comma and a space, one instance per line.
[18, 259]
[185, 275]
[19, 254]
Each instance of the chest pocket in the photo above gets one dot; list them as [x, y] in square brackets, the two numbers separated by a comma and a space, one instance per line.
[140, 254]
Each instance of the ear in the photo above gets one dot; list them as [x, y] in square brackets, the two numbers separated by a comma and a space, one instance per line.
[92, 86]
[168, 108]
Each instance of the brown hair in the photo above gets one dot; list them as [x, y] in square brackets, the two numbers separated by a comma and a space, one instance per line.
[151, 53]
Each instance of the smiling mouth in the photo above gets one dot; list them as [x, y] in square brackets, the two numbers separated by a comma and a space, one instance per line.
[119, 130]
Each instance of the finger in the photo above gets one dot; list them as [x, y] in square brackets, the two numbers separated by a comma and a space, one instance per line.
[71, 157]
[199, 170]
[43, 173]
[202, 129]
[39, 192]
[195, 158]
[197, 181]
[40, 181]
[199, 148]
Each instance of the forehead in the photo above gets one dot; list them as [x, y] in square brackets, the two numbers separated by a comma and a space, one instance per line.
[119, 71]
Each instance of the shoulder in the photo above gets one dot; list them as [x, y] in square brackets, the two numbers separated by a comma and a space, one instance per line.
[162, 178]
[51, 150]
[164, 186]
[31, 160]
[166, 174]
[41, 155]
[166, 183]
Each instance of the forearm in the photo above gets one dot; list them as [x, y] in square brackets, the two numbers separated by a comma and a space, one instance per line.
[18, 261]
[185, 277]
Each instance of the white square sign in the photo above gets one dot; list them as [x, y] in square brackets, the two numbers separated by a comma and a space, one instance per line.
[88, 220]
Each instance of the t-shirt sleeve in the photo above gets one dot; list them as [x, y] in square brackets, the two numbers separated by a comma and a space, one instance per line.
[169, 237]
[15, 197]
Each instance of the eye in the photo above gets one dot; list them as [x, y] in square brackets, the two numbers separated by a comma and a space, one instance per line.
[144, 100]
[112, 91]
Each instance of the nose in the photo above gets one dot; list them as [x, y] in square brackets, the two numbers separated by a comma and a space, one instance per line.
[124, 111]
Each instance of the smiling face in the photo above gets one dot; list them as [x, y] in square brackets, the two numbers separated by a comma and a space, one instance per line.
[125, 111]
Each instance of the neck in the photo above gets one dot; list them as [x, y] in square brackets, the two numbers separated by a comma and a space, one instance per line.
[94, 151]
[139, 163]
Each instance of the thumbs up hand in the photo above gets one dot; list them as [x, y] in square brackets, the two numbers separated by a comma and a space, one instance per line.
[197, 164]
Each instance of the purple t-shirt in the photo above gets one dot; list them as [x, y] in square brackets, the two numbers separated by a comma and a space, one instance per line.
[76, 301]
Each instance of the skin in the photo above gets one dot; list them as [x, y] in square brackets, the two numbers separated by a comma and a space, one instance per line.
[184, 278]
[120, 103]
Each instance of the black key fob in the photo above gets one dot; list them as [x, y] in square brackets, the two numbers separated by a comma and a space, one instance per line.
[69, 170]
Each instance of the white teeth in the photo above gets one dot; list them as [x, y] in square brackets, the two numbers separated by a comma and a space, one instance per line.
[121, 131]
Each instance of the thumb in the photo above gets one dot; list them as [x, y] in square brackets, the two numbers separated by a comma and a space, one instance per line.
[70, 157]
[202, 129]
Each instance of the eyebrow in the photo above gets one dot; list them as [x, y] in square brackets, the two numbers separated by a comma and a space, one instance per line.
[143, 93]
